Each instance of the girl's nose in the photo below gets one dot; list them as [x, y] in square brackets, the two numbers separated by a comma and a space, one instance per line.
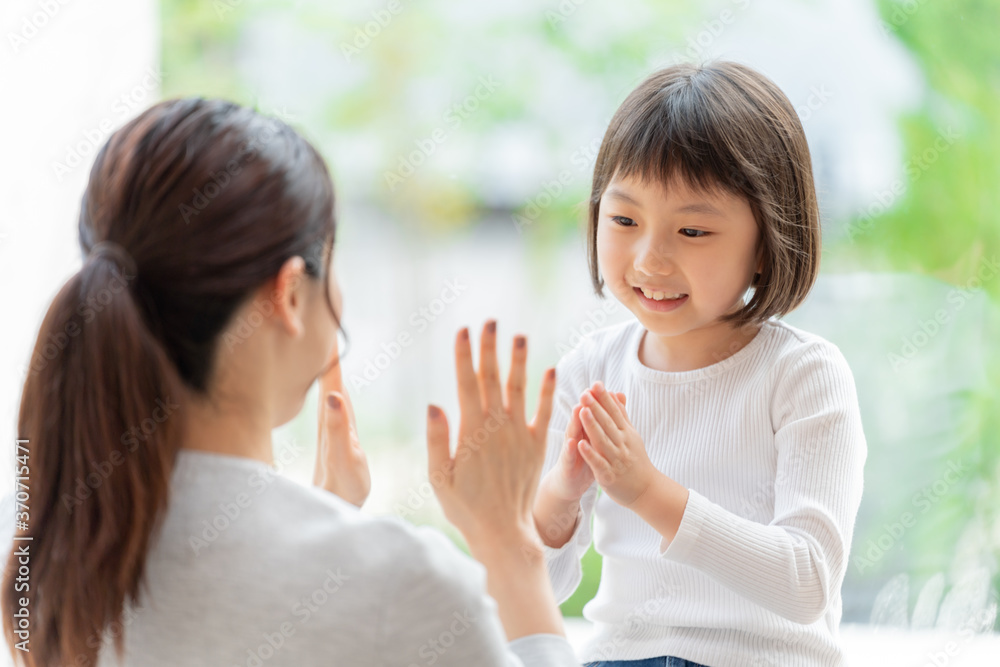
[654, 257]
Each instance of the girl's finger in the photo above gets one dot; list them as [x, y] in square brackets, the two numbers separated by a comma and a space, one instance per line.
[516, 377]
[575, 428]
[607, 424]
[610, 405]
[596, 436]
[598, 465]
[439, 462]
[569, 451]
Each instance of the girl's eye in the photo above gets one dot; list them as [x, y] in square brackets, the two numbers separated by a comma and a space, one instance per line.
[698, 233]
[623, 221]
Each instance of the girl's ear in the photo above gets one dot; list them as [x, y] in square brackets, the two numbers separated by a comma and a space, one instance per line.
[288, 295]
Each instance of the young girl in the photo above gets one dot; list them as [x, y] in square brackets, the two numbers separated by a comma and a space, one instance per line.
[732, 482]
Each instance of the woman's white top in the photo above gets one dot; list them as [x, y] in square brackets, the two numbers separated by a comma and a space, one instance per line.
[252, 569]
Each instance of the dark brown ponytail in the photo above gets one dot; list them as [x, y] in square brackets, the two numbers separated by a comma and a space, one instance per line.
[189, 208]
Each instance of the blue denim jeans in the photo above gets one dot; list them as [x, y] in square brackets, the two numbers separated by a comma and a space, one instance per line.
[647, 662]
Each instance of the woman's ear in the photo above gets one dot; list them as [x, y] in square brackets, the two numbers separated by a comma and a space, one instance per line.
[288, 295]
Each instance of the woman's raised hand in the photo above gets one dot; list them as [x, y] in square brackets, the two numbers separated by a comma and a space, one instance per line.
[488, 487]
[341, 464]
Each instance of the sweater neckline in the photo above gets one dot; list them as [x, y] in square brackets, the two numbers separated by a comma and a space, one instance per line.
[192, 461]
[712, 370]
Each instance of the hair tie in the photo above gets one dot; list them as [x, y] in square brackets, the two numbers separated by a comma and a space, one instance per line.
[110, 250]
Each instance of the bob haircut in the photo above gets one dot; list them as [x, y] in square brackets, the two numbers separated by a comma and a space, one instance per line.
[722, 126]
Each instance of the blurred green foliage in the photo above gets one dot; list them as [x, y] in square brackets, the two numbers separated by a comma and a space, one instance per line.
[588, 585]
[944, 222]
[390, 79]
[198, 53]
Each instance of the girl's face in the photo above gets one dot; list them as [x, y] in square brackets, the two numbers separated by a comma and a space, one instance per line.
[652, 238]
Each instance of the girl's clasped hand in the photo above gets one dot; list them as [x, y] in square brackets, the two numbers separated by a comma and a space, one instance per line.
[602, 444]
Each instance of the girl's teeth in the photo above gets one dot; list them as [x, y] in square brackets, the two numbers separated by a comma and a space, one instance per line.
[659, 296]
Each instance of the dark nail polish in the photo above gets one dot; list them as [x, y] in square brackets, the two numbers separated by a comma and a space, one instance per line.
[491, 326]
[520, 341]
[464, 334]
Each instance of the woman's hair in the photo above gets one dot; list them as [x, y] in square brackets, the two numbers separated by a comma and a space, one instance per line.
[722, 127]
[190, 208]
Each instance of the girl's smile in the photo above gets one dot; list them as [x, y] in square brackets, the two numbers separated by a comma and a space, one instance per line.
[661, 302]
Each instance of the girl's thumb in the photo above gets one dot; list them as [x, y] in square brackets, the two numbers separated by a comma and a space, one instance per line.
[571, 452]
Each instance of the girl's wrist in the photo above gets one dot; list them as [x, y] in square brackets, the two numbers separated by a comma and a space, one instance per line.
[550, 487]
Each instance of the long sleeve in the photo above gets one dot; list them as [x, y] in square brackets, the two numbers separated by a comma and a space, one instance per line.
[565, 569]
[437, 611]
[799, 559]
[563, 563]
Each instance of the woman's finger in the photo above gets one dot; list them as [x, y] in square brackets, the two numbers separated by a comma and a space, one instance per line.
[345, 466]
[516, 377]
[335, 449]
[332, 381]
[468, 385]
[540, 423]
[439, 462]
[338, 429]
[489, 370]
[322, 438]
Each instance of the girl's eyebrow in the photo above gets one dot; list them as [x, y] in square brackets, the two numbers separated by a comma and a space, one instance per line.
[621, 195]
[700, 207]
[703, 207]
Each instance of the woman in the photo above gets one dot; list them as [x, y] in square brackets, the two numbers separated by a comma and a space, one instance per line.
[158, 531]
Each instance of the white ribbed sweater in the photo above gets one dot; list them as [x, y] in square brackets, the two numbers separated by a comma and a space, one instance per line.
[770, 444]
